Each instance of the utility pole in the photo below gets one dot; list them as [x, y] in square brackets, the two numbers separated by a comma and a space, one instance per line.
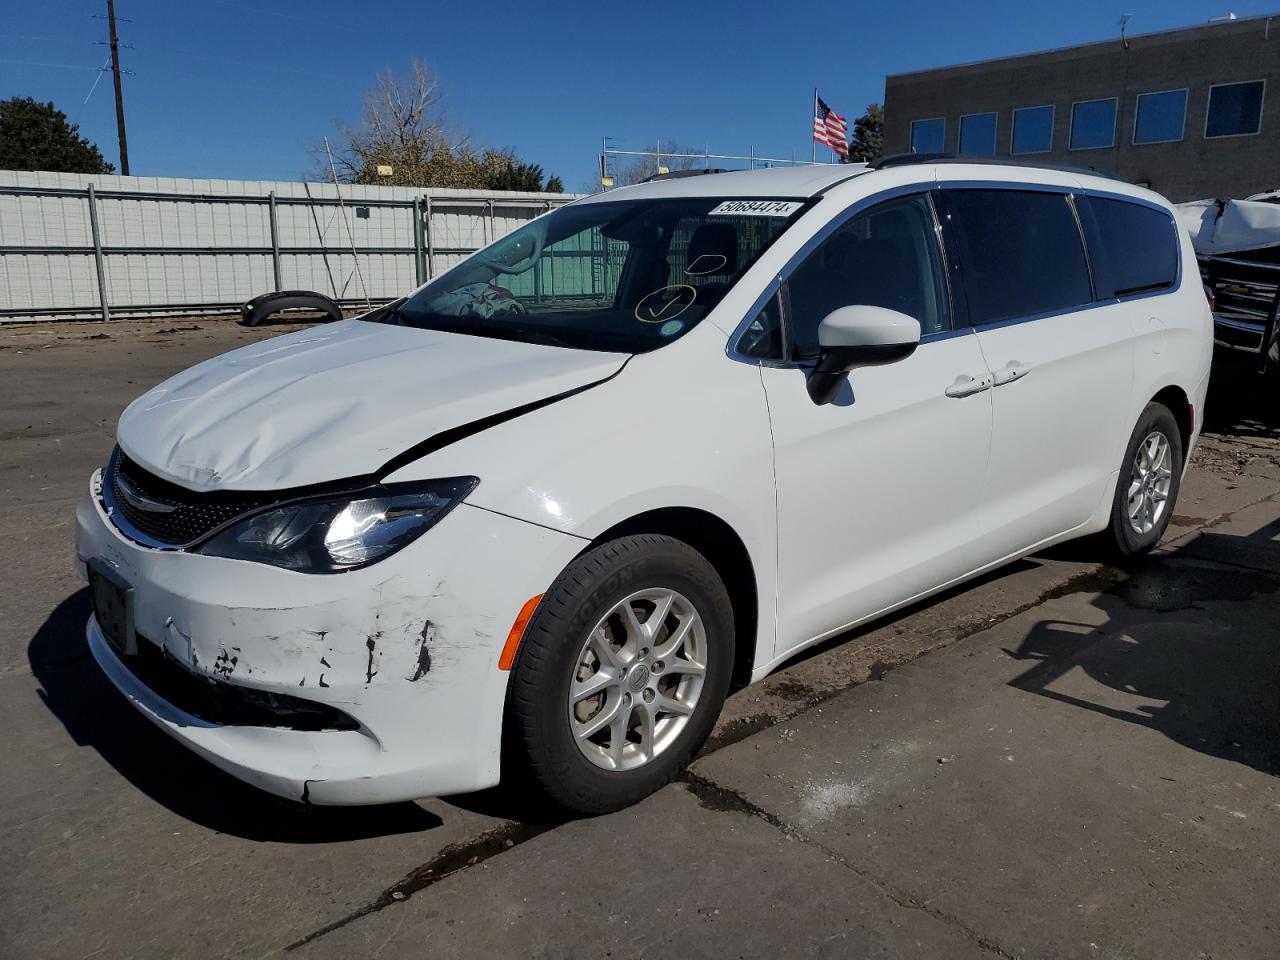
[115, 75]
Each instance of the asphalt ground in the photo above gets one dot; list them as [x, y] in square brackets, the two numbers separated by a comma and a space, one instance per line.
[1084, 764]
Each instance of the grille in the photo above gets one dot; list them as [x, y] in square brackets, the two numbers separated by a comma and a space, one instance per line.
[1246, 287]
[184, 515]
[226, 703]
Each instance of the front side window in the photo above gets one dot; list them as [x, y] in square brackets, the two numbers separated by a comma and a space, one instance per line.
[887, 256]
[1093, 124]
[1032, 130]
[1139, 247]
[1160, 117]
[1020, 253]
[928, 136]
[978, 135]
[1235, 109]
[618, 275]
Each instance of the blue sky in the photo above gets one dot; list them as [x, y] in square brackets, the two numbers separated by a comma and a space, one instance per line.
[223, 88]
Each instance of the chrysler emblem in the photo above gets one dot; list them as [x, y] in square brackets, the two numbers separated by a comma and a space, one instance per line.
[140, 501]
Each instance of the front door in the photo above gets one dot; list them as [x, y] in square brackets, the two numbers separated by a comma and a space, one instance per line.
[879, 491]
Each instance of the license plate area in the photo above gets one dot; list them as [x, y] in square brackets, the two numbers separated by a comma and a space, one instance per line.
[112, 600]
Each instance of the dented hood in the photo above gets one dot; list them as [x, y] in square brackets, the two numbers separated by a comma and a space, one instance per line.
[336, 401]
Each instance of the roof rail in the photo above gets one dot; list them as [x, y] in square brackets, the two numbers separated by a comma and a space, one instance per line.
[680, 174]
[909, 159]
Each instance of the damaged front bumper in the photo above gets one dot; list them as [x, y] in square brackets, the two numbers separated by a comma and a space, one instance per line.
[371, 686]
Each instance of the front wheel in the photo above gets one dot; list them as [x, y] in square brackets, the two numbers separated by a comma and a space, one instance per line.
[1150, 476]
[621, 673]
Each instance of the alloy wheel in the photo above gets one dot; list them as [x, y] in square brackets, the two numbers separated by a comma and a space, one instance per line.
[637, 679]
[1149, 482]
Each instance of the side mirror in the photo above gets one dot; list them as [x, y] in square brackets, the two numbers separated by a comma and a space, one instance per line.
[859, 336]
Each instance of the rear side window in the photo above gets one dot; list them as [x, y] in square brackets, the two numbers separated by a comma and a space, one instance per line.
[1020, 252]
[1139, 247]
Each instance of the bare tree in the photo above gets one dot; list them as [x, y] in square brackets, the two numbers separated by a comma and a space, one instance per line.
[403, 127]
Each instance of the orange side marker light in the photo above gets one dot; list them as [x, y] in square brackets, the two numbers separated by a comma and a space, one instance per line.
[517, 632]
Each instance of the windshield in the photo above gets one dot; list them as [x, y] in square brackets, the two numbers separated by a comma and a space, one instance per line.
[625, 276]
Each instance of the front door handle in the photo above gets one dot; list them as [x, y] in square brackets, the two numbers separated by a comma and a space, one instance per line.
[1013, 370]
[966, 386]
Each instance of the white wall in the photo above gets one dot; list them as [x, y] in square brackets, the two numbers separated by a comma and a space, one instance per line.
[201, 264]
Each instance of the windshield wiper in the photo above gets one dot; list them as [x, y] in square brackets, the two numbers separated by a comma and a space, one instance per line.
[502, 331]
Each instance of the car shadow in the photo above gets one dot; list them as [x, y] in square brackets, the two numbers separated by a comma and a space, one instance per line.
[96, 715]
[1196, 639]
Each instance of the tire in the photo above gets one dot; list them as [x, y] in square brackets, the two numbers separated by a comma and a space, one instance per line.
[548, 743]
[1131, 537]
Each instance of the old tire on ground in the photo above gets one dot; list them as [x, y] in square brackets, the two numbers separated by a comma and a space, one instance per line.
[620, 675]
[259, 308]
[1150, 476]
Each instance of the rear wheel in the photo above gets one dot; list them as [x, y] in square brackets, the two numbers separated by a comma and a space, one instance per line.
[1150, 476]
[621, 673]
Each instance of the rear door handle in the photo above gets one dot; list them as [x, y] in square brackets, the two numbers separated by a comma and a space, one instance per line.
[966, 386]
[1013, 370]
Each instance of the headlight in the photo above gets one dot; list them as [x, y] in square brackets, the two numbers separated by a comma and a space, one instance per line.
[329, 536]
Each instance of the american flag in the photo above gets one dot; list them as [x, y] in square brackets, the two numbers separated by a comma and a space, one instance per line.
[829, 127]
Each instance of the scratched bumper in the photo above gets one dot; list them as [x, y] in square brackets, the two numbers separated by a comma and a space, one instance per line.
[407, 647]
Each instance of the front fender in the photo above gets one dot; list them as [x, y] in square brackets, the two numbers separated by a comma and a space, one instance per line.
[684, 426]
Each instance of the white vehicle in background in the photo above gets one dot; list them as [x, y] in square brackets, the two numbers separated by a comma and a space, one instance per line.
[536, 518]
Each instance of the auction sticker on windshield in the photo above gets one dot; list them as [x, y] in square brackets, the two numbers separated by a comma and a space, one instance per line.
[756, 208]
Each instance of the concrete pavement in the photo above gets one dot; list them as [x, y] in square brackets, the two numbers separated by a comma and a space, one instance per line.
[820, 821]
[1094, 777]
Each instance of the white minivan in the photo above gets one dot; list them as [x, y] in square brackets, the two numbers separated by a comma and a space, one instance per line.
[537, 518]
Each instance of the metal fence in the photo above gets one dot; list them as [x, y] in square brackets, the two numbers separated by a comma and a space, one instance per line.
[79, 246]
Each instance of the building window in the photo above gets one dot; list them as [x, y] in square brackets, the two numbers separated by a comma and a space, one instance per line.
[928, 136]
[1032, 130]
[1235, 109]
[978, 135]
[1160, 117]
[1093, 124]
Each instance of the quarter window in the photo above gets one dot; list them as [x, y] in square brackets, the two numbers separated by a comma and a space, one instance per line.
[1160, 117]
[928, 136]
[978, 135]
[1032, 130]
[1235, 109]
[1139, 247]
[763, 336]
[1020, 253]
[1093, 124]
[887, 256]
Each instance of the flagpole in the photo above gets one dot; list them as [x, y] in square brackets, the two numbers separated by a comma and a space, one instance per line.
[813, 144]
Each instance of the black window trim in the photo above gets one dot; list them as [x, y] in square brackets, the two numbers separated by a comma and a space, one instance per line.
[960, 325]
[1086, 225]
